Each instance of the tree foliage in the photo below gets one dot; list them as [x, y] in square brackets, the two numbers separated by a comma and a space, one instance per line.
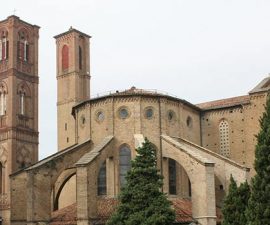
[259, 204]
[235, 204]
[141, 201]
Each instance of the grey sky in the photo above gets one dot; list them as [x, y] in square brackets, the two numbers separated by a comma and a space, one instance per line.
[199, 50]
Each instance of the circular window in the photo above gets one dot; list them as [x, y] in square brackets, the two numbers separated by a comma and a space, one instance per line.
[123, 113]
[189, 121]
[100, 116]
[149, 113]
[171, 115]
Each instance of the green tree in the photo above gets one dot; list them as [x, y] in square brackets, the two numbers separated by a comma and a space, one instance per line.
[235, 204]
[258, 212]
[141, 201]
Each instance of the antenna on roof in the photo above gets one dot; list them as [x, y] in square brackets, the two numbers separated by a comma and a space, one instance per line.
[14, 12]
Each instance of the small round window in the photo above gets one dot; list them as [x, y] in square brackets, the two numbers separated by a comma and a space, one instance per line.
[171, 115]
[149, 113]
[100, 116]
[189, 121]
[123, 113]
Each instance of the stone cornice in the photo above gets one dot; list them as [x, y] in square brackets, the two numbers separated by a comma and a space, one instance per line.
[19, 75]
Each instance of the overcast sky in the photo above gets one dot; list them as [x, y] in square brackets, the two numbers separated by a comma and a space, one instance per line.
[199, 50]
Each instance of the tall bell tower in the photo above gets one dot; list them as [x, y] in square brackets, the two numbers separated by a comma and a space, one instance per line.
[73, 81]
[18, 102]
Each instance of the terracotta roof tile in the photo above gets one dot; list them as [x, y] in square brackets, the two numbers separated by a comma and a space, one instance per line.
[106, 207]
[183, 210]
[225, 103]
[65, 216]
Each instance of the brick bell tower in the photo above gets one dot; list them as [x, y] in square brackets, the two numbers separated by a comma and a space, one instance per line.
[73, 81]
[18, 102]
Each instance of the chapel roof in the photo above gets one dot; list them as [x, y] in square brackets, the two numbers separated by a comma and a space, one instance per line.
[263, 86]
[133, 92]
[68, 215]
[225, 103]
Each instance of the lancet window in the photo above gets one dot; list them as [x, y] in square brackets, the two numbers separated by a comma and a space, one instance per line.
[23, 95]
[3, 99]
[23, 46]
[65, 57]
[172, 177]
[224, 132]
[102, 183]
[124, 163]
[4, 45]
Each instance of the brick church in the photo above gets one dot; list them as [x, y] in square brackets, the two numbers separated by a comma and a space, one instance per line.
[198, 146]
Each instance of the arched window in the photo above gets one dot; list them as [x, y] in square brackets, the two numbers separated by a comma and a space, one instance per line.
[4, 45]
[102, 183]
[3, 103]
[24, 97]
[124, 163]
[65, 58]
[172, 177]
[23, 46]
[22, 103]
[224, 131]
[3, 157]
[80, 57]
[3, 99]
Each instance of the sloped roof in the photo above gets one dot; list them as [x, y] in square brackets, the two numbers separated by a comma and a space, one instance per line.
[65, 216]
[18, 18]
[59, 154]
[68, 215]
[133, 91]
[90, 156]
[225, 103]
[183, 210]
[71, 29]
[263, 86]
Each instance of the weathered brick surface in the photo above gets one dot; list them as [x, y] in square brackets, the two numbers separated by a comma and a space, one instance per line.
[18, 128]
[79, 122]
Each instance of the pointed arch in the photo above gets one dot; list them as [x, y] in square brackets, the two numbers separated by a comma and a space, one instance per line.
[102, 179]
[23, 52]
[124, 163]
[224, 133]
[3, 98]
[24, 94]
[56, 205]
[4, 45]
[178, 180]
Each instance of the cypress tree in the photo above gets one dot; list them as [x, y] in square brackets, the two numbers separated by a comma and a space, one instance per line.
[235, 204]
[141, 199]
[243, 195]
[259, 204]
